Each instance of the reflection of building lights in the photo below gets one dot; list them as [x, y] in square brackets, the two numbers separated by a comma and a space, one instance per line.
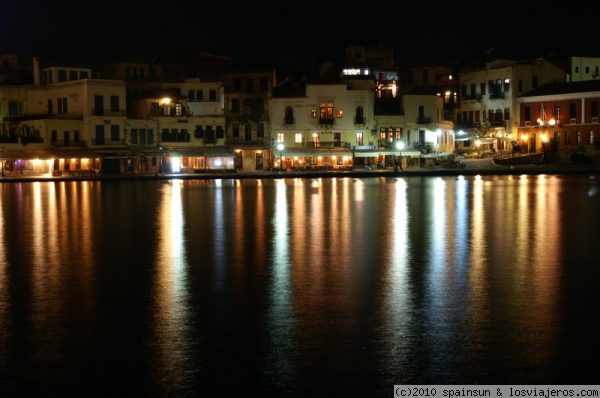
[259, 151]
[544, 137]
[346, 158]
[524, 137]
[176, 164]
[218, 163]
[333, 157]
[540, 121]
[552, 122]
[320, 157]
[295, 158]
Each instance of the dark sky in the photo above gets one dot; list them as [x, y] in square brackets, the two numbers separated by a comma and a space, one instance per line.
[254, 33]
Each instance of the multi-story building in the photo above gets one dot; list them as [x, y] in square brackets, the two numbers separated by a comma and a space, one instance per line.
[319, 123]
[489, 96]
[247, 94]
[190, 119]
[565, 112]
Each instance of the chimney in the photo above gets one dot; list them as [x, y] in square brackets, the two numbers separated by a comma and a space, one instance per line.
[36, 71]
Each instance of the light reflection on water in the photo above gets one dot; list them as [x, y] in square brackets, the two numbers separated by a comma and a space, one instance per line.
[299, 285]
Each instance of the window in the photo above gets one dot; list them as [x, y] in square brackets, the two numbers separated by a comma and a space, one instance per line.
[247, 106]
[482, 88]
[591, 138]
[259, 106]
[98, 105]
[579, 140]
[237, 84]
[298, 138]
[326, 113]
[463, 89]
[199, 95]
[587, 69]
[490, 116]
[191, 95]
[263, 84]
[260, 132]
[577, 69]
[54, 135]
[520, 85]
[114, 103]
[115, 133]
[557, 136]
[178, 110]
[382, 133]
[133, 136]
[313, 113]
[506, 114]
[316, 139]
[235, 129]
[398, 133]
[142, 136]
[473, 90]
[567, 138]
[425, 76]
[359, 138]
[235, 105]
[72, 75]
[220, 132]
[506, 85]
[477, 116]
[199, 132]
[359, 116]
[572, 111]
[594, 109]
[339, 113]
[289, 115]
[279, 137]
[556, 112]
[62, 75]
[534, 81]
[527, 113]
[248, 132]
[250, 84]
[212, 95]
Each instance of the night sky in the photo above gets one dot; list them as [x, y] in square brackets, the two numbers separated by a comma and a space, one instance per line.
[260, 33]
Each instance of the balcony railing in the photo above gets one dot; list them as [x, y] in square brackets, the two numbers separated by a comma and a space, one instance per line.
[69, 143]
[423, 120]
[327, 144]
[9, 139]
[476, 97]
[497, 96]
[326, 120]
[289, 120]
[359, 120]
[108, 142]
[106, 112]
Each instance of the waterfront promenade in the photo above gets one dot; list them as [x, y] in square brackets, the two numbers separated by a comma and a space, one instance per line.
[471, 167]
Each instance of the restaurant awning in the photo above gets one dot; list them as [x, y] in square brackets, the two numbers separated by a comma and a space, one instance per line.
[9, 154]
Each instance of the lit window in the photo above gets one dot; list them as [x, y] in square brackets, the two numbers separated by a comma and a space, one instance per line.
[339, 113]
[313, 113]
[298, 138]
[359, 138]
[279, 137]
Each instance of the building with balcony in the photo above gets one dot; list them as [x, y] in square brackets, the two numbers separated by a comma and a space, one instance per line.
[488, 97]
[566, 113]
[320, 123]
[247, 94]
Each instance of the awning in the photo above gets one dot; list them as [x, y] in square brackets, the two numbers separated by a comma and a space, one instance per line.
[214, 152]
[26, 154]
[72, 153]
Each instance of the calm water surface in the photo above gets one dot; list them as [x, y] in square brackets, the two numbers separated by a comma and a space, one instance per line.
[297, 287]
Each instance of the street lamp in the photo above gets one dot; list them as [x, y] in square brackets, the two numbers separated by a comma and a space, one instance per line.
[400, 147]
[280, 148]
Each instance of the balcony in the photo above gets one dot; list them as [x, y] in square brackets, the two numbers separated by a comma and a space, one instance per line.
[423, 120]
[289, 120]
[471, 98]
[326, 121]
[495, 96]
[359, 120]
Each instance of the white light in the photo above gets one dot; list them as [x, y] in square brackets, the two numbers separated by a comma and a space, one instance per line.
[352, 72]
[460, 132]
[165, 101]
[176, 164]
[218, 163]
[438, 132]
[552, 122]
[447, 93]
[280, 147]
[540, 121]
[365, 72]
[399, 145]
[450, 77]
[506, 80]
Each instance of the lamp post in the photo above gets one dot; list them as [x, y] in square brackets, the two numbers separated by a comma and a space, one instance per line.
[280, 148]
[400, 147]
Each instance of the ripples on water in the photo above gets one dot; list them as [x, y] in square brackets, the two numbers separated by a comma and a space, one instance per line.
[297, 287]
